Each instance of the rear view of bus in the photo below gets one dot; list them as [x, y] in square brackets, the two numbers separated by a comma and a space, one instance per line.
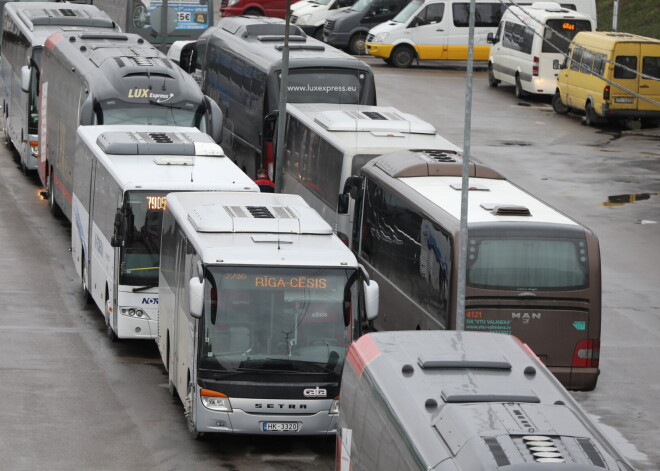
[531, 271]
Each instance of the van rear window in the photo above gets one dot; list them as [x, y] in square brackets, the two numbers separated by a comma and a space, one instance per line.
[629, 64]
[559, 33]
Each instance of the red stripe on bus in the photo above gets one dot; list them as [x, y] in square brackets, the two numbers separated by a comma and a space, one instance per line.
[52, 40]
[362, 352]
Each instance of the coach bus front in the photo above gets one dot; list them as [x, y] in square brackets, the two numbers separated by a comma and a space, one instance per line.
[138, 227]
[541, 284]
[271, 343]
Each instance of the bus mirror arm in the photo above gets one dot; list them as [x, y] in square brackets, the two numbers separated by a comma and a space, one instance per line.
[25, 78]
[118, 236]
[270, 125]
[214, 119]
[491, 38]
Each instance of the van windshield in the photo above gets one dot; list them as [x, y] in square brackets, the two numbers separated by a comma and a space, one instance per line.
[175, 114]
[407, 12]
[361, 5]
[559, 33]
[277, 319]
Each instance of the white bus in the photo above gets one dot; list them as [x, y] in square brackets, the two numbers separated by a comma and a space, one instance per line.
[259, 303]
[123, 174]
[327, 143]
[25, 29]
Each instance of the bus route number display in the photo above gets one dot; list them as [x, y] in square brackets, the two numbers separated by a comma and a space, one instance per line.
[156, 203]
[292, 282]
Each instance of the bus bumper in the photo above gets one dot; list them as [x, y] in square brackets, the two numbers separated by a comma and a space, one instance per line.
[380, 50]
[576, 379]
[136, 328]
[240, 422]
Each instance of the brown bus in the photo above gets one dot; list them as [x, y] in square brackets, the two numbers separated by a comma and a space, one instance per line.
[531, 271]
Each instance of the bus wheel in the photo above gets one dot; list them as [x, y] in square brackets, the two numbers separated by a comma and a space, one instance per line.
[558, 105]
[52, 204]
[254, 12]
[520, 93]
[402, 56]
[590, 117]
[492, 81]
[188, 410]
[356, 45]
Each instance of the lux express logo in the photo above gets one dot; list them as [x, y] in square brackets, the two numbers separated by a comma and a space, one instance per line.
[147, 93]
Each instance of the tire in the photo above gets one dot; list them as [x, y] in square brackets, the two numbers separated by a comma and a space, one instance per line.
[356, 45]
[140, 16]
[492, 81]
[388, 61]
[55, 209]
[318, 34]
[520, 93]
[590, 117]
[402, 57]
[254, 12]
[558, 105]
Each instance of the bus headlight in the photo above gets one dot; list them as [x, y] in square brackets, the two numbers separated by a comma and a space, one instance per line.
[133, 312]
[215, 401]
[303, 19]
[334, 407]
[379, 38]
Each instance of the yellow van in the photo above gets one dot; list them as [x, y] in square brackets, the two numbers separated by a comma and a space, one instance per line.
[610, 76]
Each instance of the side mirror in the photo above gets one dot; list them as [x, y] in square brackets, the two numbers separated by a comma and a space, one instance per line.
[556, 64]
[196, 297]
[343, 203]
[26, 72]
[117, 238]
[371, 299]
[188, 57]
[490, 38]
[270, 125]
[214, 119]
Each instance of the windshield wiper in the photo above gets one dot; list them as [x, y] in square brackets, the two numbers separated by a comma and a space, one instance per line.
[142, 288]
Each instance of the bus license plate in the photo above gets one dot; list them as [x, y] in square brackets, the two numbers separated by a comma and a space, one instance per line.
[279, 426]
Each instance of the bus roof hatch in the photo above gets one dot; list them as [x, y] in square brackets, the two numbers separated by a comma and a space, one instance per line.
[158, 143]
[380, 119]
[63, 17]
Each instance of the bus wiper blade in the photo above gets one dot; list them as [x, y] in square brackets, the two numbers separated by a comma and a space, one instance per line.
[142, 288]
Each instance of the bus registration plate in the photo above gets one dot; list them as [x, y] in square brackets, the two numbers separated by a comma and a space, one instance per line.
[279, 426]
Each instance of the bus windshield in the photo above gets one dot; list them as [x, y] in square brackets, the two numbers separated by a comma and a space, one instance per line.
[277, 319]
[326, 86]
[140, 256]
[177, 114]
[527, 264]
[408, 11]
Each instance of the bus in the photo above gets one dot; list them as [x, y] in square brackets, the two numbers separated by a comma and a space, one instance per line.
[26, 25]
[461, 401]
[532, 271]
[134, 16]
[327, 143]
[118, 78]
[240, 61]
[255, 320]
[123, 174]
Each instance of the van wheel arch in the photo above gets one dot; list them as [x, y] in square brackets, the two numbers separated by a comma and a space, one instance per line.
[520, 93]
[590, 116]
[492, 81]
[254, 11]
[403, 56]
[558, 105]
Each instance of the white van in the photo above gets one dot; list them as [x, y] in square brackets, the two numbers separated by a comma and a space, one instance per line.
[439, 29]
[530, 44]
[311, 16]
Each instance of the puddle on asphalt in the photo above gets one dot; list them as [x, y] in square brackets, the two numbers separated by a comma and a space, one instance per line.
[620, 200]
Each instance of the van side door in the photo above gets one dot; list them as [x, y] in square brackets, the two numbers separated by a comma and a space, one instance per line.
[650, 66]
[427, 31]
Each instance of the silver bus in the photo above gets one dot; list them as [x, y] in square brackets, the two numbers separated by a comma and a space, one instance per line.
[110, 78]
[254, 319]
[26, 25]
[461, 401]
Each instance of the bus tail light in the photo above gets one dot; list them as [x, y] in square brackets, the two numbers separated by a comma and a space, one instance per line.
[215, 400]
[334, 407]
[606, 92]
[586, 354]
[535, 67]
